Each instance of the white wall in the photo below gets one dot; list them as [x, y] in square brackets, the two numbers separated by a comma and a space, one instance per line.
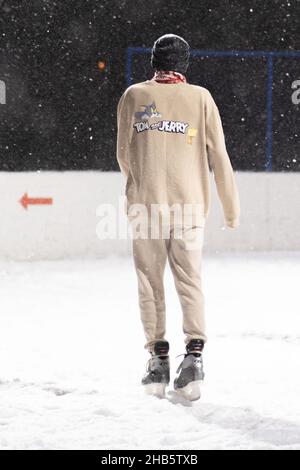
[270, 214]
[270, 219]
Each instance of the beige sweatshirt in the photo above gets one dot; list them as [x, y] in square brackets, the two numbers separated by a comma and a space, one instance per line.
[169, 138]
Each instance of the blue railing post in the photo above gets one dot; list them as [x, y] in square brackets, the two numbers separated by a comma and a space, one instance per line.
[269, 134]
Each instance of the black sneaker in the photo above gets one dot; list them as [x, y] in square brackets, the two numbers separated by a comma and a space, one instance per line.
[190, 372]
[158, 370]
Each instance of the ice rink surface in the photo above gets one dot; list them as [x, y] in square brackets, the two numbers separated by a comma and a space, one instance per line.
[71, 357]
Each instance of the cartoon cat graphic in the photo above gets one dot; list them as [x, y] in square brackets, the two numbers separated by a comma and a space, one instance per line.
[149, 112]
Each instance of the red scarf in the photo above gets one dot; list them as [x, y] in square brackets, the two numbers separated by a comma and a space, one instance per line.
[168, 76]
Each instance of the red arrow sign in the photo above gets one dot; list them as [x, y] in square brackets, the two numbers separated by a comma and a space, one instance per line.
[35, 201]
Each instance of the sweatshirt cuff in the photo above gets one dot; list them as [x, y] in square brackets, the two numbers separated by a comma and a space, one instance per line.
[233, 223]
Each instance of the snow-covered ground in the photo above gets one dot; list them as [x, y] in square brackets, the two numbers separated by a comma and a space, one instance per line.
[71, 357]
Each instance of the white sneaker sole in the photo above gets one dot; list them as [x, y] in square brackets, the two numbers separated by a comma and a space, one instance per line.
[157, 390]
[191, 391]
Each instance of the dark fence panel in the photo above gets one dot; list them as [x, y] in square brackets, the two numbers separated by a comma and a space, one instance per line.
[63, 67]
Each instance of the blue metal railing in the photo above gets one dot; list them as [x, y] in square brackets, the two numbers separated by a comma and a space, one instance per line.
[268, 55]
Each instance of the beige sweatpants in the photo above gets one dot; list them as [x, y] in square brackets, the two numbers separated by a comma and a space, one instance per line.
[183, 249]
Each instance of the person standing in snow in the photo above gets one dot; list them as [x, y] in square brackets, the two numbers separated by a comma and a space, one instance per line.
[170, 137]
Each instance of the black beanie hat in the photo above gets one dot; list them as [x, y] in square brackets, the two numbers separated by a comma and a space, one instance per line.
[170, 52]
